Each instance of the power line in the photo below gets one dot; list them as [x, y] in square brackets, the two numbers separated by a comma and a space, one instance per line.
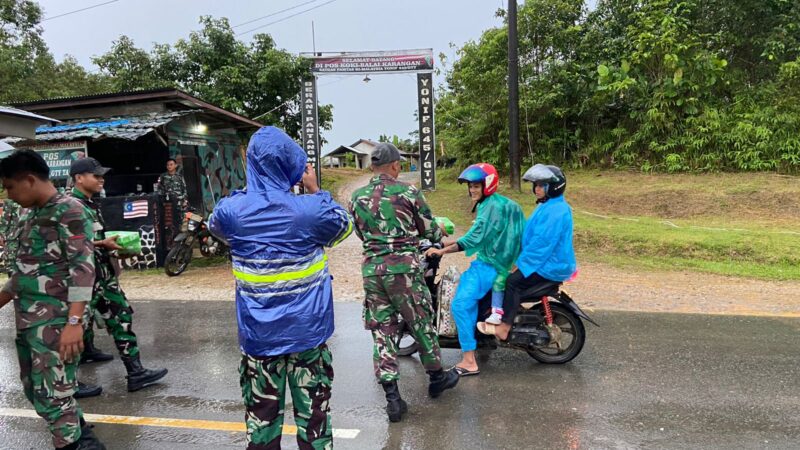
[274, 14]
[286, 18]
[78, 10]
[340, 79]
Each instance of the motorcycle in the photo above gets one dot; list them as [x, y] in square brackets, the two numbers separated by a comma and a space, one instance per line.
[548, 326]
[193, 229]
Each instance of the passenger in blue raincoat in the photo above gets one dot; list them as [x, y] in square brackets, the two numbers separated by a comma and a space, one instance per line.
[547, 253]
[284, 300]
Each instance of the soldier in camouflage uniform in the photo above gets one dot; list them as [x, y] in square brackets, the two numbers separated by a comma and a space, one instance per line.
[172, 184]
[284, 299]
[8, 225]
[51, 285]
[391, 217]
[108, 299]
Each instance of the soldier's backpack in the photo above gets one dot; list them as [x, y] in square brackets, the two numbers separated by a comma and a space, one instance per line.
[445, 324]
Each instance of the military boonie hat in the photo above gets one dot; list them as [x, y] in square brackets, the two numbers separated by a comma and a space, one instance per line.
[385, 153]
[87, 165]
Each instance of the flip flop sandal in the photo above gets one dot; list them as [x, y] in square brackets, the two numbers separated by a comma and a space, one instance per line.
[491, 330]
[462, 372]
[487, 328]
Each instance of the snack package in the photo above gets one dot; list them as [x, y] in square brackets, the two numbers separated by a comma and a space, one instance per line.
[449, 226]
[130, 241]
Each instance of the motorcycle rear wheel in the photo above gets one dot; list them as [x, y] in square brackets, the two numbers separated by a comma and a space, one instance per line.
[177, 260]
[206, 250]
[573, 332]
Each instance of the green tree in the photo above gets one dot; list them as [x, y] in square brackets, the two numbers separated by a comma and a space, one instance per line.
[659, 85]
[257, 80]
[28, 70]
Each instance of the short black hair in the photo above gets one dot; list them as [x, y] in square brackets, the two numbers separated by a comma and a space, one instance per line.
[173, 160]
[24, 162]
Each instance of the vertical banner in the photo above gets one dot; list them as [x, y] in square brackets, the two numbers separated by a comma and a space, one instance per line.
[427, 153]
[310, 118]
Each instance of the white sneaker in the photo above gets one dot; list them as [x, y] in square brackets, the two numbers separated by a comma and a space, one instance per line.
[494, 319]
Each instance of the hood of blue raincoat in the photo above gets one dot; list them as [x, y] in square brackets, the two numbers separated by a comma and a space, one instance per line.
[274, 161]
[284, 298]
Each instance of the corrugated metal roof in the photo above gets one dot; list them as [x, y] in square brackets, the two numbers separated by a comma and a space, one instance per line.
[9, 111]
[342, 149]
[95, 96]
[121, 127]
[134, 96]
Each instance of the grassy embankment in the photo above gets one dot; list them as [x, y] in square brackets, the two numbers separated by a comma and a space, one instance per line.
[731, 224]
[334, 179]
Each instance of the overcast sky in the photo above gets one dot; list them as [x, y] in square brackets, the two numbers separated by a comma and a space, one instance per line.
[385, 105]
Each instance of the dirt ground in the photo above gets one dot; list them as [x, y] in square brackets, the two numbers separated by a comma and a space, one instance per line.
[598, 286]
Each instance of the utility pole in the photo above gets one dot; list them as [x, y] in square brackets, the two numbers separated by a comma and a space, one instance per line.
[513, 96]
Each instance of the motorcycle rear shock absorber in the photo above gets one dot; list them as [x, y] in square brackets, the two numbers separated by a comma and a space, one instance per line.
[548, 314]
[552, 329]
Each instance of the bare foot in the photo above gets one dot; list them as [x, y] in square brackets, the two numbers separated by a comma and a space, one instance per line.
[468, 362]
[502, 331]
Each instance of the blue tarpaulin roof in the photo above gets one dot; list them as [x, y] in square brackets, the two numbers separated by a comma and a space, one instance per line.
[120, 127]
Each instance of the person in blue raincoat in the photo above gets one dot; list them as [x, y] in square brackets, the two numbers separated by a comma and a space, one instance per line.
[284, 300]
[547, 253]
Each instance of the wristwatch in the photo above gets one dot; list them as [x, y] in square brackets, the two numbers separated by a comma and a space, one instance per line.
[75, 320]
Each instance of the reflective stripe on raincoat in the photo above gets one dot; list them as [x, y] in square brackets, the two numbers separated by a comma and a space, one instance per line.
[284, 299]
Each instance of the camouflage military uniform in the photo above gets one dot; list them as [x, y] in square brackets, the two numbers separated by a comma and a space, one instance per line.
[54, 266]
[391, 217]
[310, 376]
[108, 299]
[174, 186]
[8, 226]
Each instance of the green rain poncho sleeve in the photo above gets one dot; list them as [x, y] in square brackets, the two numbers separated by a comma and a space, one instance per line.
[496, 236]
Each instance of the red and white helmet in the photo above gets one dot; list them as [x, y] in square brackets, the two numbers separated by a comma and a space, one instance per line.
[484, 173]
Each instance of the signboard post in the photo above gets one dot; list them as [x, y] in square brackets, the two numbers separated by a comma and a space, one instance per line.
[427, 155]
[310, 129]
[359, 63]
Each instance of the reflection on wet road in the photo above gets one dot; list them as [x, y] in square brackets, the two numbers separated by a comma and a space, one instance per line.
[642, 381]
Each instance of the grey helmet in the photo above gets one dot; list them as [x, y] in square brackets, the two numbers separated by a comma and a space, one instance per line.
[551, 178]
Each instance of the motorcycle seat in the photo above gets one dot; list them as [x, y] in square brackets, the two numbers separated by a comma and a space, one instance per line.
[545, 289]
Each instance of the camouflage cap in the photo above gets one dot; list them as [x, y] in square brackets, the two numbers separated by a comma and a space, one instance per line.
[385, 153]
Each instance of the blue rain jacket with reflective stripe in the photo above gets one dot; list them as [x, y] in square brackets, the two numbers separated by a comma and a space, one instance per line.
[284, 300]
[547, 242]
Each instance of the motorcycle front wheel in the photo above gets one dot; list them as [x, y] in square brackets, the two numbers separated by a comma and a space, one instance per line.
[573, 336]
[177, 259]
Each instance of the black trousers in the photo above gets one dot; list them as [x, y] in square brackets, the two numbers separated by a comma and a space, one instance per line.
[516, 284]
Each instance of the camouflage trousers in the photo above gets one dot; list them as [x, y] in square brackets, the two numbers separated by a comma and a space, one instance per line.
[387, 298]
[263, 380]
[116, 314]
[49, 382]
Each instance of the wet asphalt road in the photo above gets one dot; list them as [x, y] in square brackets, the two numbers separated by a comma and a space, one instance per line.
[642, 381]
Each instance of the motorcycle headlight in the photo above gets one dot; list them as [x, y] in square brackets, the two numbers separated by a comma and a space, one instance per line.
[192, 225]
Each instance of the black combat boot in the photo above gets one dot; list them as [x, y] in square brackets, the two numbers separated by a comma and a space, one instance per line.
[138, 376]
[93, 354]
[441, 381]
[88, 440]
[87, 390]
[395, 406]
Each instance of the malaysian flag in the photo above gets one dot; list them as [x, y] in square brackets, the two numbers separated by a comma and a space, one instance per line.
[132, 210]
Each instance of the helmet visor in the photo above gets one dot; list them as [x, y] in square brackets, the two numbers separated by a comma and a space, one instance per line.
[539, 173]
